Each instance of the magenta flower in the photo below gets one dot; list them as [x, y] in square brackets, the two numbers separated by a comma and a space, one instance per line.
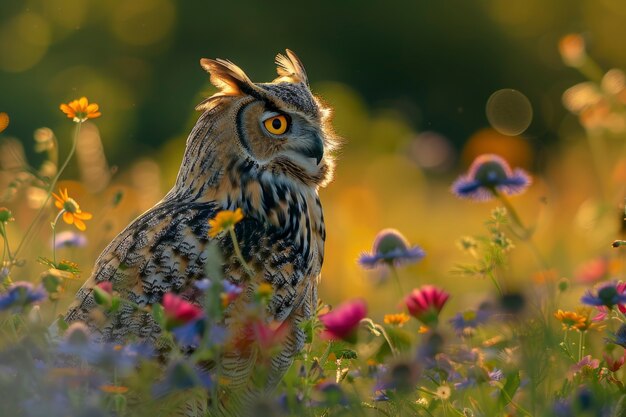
[391, 249]
[426, 302]
[487, 175]
[179, 311]
[342, 322]
[603, 311]
[609, 295]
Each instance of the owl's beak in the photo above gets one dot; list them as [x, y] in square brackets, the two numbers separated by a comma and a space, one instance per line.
[314, 149]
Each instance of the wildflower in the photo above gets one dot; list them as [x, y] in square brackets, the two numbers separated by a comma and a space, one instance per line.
[396, 319]
[608, 295]
[342, 322]
[21, 294]
[603, 311]
[584, 366]
[443, 392]
[69, 239]
[570, 320]
[401, 376]
[425, 303]
[391, 249]
[469, 320]
[264, 289]
[490, 174]
[103, 294]
[72, 214]
[614, 365]
[332, 394]
[223, 221]
[80, 110]
[230, 293]
[181, 376]
[572, 49]
[593, 271]
[113, 389]
[265, 336]
[4, 121]
[179, 311]
[619, 338]
[5, 215]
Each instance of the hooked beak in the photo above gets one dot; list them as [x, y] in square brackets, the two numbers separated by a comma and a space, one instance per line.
[314, 148]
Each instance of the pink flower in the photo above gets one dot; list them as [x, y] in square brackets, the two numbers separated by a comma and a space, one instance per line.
[103, 294]
[342, 322]
[603, 311]
[585, 366]
[179, 311]
[106, 286]
[592, 271]
[425, 303]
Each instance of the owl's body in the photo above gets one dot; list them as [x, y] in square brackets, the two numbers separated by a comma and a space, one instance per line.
[259, 147]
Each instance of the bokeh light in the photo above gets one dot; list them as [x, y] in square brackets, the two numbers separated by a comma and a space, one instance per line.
[509, 112]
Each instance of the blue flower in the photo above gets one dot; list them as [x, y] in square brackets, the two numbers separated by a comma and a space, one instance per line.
[69, 239]
[619, 337]
[181, 376]
[21, 294]
[487, 175]
[469, 319]
[391, 249]
[608, 295]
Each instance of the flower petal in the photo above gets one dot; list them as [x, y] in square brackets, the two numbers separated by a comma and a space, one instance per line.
[83, 215]
[68, 218]
[80, 225]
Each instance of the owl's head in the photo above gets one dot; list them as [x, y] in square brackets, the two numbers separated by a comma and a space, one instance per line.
[280, 126]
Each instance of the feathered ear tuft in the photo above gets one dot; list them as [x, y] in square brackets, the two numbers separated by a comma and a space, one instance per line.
[290, 69]
[228, 77]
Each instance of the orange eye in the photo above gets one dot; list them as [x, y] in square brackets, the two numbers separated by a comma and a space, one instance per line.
[276, 125]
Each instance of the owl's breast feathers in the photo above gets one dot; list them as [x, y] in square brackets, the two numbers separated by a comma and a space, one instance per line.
[281, 239]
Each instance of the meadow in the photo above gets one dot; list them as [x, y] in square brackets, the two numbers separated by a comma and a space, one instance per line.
[491, 287]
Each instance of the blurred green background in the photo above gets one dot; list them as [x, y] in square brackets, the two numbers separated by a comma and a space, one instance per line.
[409, 81]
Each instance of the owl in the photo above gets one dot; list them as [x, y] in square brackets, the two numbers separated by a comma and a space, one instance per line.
[265, 148]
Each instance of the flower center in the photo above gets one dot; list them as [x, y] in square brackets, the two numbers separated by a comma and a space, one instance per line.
[389, 243]
[71, 206]
[490, 173]
[608, 295]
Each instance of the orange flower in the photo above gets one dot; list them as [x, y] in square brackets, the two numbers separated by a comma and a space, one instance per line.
[396, 319]
[72, 214]
[113, 389]
[80, 110]
[570, 320]
[4, 121]
[224, 220]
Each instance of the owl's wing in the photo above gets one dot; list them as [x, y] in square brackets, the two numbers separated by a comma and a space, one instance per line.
[161, 251]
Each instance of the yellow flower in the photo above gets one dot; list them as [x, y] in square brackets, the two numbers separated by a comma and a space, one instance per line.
[80, 110]
[570, 320]
[4, 121]
[224, 220]
[72, 214]
[264, 289]
[396, 319]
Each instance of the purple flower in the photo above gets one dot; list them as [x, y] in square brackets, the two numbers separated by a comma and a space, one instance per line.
[391, 249]
[487, 175]
[21, 294]
[469, 320]
[181, 376]
[619, 337]
[608, 295]
[70, 239]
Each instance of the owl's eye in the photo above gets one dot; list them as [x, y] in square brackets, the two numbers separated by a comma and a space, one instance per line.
[276, 125]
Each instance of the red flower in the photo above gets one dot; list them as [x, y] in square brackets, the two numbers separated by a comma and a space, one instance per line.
[614, 365]
[106, 286]
[179, 311]
[342, 322]
[425, 303]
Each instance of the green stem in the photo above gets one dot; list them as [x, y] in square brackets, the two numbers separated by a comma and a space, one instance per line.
[49, 193]
[581, 342]
[233, 237]
[5, 249]
[396, 278]
[496, 283]
[54, 236]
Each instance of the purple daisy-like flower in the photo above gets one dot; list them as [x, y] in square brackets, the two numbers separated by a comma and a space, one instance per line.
[20, 295]
[391, 249]
[70, 239]
[469, 319]
[487, 175]
[608, 295]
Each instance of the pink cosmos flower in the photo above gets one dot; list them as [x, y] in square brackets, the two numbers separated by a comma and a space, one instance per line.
[603, 311]
[614, 365]
[179, 311]
[342, 322]
[586, 364]
[426, 302]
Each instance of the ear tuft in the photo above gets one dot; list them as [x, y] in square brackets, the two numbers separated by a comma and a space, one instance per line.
[228, 77]
[290, 68]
